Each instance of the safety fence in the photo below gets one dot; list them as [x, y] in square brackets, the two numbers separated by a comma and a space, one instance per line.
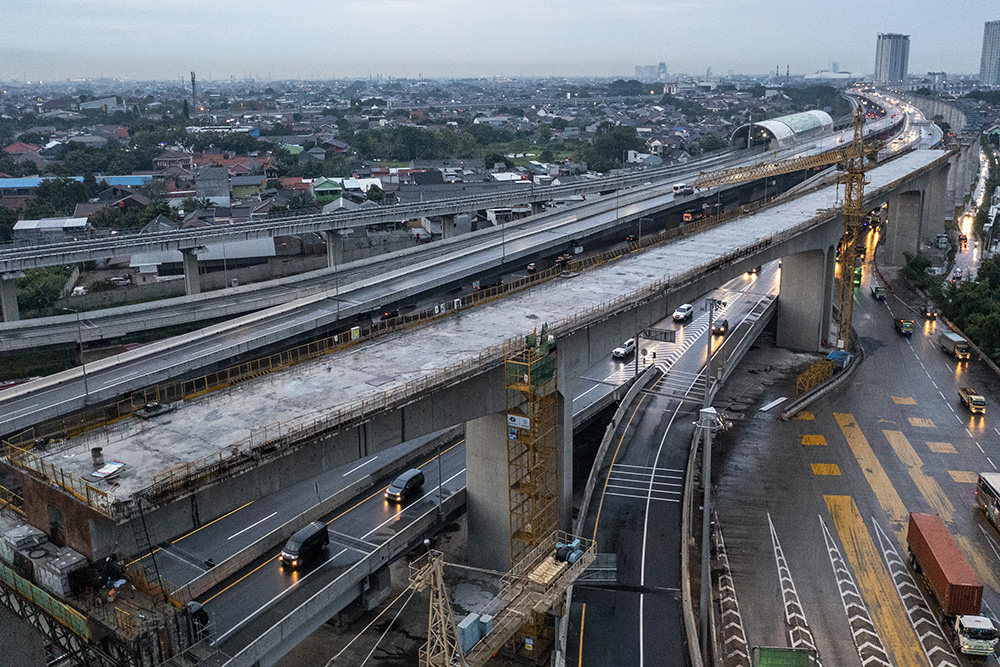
[273, 440]
[11, 500]
[815, 375]
[61, 612]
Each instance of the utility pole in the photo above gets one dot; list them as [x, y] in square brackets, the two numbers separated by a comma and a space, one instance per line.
[83, 363]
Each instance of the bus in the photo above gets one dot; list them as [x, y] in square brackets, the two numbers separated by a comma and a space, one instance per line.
[988, 496]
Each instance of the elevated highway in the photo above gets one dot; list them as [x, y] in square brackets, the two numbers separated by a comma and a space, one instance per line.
[114, 323]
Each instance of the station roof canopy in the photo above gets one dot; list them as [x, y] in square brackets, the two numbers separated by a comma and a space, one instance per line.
[786, 128]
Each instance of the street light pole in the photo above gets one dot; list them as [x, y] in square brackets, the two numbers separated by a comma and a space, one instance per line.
[440, 503]
[83, 364]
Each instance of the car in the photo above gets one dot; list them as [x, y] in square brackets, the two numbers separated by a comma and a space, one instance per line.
[683, 313]
[878, 292]
[904, 327]
[532, 267]
[929, 311]
[305, 543]
[625, 349]
[390, 314]
[631, 238]
[720, 327]
[405, 485]
[755, 271]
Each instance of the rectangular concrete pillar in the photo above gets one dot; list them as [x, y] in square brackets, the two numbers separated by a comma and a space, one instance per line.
[192, 279]
[488, 493]
[448, 226]
[935, 205]
[8, 296]
[334, 248]
[903, 227]
[801, 299]
[537, 207]
[564, 428]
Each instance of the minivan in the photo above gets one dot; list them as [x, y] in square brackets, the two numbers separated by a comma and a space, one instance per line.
[304, 544]
[405, 485]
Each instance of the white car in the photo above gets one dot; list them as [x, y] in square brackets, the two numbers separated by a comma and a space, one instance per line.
[625, 349]
[683, 313]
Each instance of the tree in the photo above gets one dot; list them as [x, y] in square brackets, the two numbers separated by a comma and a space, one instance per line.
[375, 193]
[8, 219]
[710, 143]
[191, 204]
[610, 146]
[547, 155]
[187, 110]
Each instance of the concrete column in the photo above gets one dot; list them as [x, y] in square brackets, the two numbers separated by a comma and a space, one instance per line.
[537, 207]
[935, 205]
[903, 227]
[334, 248]
[801, 325]
[951, 186]
[8, 296]
[829, 294]
[488, 493]
[192, 279]
[565, 382]
[448, 226]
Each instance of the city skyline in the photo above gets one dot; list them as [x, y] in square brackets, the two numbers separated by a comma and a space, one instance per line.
[61, 39]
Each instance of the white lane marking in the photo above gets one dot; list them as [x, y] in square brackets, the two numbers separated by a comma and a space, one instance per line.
[991, 462]
[252, 525]
[340, 553]
[935, 386]
[646, 498]
[980, 447]
[27, 409]
[957, 417]
[629, 465]
[586, 392]
[359, 467]
[942, 396]
[968, 431]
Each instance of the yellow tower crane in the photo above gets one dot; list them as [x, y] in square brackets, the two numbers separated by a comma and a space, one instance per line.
[852, 157]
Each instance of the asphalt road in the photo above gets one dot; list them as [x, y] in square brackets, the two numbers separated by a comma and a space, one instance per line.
[843, 476]
[636, 511]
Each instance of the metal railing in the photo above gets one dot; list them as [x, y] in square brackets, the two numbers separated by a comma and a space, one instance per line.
[11, 500]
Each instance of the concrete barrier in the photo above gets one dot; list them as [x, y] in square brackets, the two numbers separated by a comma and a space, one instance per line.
[255, 550]
[825, 388]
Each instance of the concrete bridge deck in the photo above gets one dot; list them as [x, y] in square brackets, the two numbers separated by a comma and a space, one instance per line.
[298, 396]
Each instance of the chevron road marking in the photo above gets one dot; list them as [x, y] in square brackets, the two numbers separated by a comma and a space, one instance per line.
[735, 649]
[932, 638]
[799, 634]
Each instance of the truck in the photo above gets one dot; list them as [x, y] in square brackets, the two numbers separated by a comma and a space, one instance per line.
[904, 327]
[972, 400]
[952, 581]
[954, 345]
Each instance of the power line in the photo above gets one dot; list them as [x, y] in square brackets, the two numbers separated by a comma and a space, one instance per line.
[374, 620]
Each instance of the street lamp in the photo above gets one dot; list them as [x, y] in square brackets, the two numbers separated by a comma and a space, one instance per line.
[83, 364]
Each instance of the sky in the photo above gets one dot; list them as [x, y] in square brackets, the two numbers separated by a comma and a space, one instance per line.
[312, 39]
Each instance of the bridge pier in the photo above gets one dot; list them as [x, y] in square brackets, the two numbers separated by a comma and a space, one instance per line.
[448, 226]
[334, 248]
[8, 296]
[192, 279]
[487, 491]
[537, 207]
[805, 297]
[906, 212]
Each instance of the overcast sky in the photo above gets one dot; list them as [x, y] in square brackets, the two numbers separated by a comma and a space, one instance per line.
[165, 39]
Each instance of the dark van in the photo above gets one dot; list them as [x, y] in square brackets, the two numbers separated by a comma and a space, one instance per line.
[304, 544]
[405, 485]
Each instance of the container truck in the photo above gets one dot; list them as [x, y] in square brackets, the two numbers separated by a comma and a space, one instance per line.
[954, 345]
[954, 584]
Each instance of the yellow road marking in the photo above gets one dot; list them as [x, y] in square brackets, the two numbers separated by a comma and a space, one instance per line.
[964, 476]
[583, 618]
[805, 415]
[904, 400]
[874, 583]
[920, 422]
[273, 558]
[600, 505]
[813, 440]
[825, 469]
[210, 523]
[980, 560]
[874, 473]
[927, 485]
[941, 447]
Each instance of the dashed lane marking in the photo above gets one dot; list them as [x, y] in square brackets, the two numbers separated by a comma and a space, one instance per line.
[877, 618]
[799, 634]
[813, 440]
[735, 649]
[932, 638]
[941, 447]
[904, 400]
[826, 469]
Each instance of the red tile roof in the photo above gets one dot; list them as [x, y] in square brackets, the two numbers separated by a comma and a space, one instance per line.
[19, 147]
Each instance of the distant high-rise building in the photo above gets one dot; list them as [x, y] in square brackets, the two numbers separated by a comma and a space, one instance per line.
[892, 57]
[989, 66]
[835, 67]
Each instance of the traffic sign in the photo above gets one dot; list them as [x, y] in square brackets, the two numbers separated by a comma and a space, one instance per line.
[661, 335]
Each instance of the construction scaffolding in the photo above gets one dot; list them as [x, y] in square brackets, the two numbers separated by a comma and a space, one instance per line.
[854, 195]
[441, 649]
